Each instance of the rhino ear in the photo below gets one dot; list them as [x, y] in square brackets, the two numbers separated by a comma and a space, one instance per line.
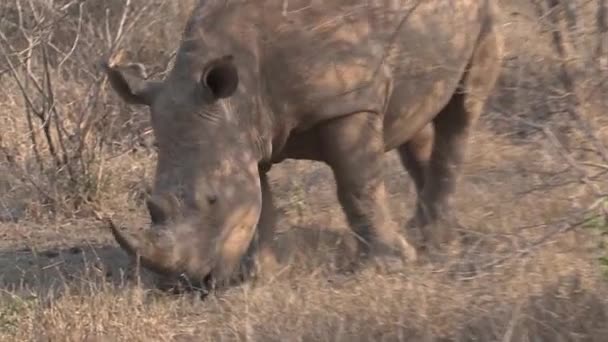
[129, 82]
[221, 77]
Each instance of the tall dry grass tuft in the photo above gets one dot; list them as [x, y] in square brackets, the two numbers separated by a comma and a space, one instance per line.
[533, 299]
[533, 199]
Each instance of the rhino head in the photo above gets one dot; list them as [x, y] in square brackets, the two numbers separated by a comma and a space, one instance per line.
[206, 196]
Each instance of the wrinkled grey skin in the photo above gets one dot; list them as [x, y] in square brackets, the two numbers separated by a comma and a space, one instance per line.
[341, 82]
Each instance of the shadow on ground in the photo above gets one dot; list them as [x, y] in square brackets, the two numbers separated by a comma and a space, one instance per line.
[54, 268]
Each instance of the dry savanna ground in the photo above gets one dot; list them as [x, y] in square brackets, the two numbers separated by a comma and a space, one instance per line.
[532, 198]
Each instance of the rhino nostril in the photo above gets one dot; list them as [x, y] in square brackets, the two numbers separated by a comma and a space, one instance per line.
[211, 199]
[158, 213]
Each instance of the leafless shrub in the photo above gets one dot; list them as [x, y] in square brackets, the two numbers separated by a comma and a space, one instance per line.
[554, 84]
[52, 84]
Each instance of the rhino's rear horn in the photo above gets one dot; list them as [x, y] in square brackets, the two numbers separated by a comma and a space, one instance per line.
[129, 244]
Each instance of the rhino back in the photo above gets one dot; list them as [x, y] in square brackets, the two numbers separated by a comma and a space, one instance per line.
[323, 59]
[311, 60]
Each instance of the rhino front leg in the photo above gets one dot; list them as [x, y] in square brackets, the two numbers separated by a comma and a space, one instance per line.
[353, 147]
[261, 259]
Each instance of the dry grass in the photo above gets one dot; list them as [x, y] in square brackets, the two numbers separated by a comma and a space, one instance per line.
[532, 200]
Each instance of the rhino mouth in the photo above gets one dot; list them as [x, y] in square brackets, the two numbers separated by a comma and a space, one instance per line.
[146, 247]
[159, 252]
[174, 280]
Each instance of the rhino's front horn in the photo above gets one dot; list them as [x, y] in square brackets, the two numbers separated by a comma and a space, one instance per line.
[153, 253]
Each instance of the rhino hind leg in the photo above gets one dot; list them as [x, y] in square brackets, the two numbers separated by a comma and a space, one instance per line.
[416, 153]
[415, 157]
[452, 127]
[353, 147]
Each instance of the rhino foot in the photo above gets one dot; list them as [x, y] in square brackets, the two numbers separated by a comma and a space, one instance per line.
[433, 234]
[386, 257]
[440, 241]
[394, 257]
[260, 267]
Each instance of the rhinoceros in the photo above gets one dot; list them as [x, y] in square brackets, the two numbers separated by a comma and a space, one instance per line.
[341, 82]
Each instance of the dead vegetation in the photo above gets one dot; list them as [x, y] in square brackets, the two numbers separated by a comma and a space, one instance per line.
[533, 197]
